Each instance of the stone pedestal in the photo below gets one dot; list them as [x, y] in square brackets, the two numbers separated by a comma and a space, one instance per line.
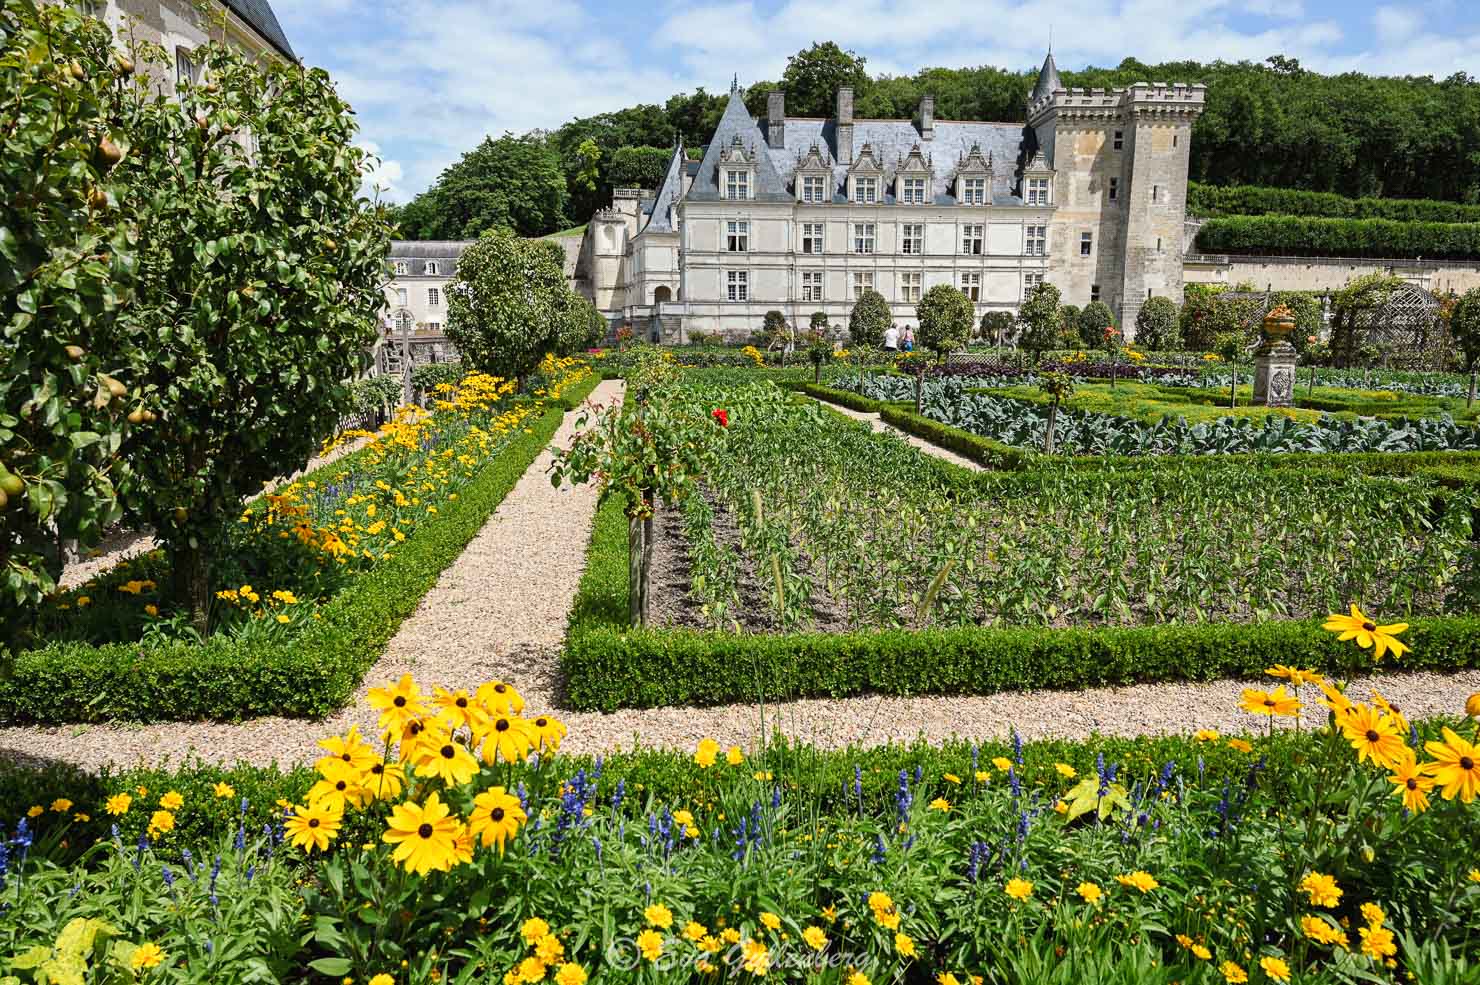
[1274, 375]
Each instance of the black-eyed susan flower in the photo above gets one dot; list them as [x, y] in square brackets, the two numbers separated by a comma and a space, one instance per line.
[399, 705]
[1391, 710]
[382, 780]
[1456, 766]
[443, 757]
[1373, 735]
[1369, 635]
[497, 817]
[1472, 705]
[338, 787]
[499, 698]
[1272, 703]
[1295, 675]
[548, 731]
[458, 709]
[349, 749]
[424, 835]
[313, 826]
[509, 738]
[1411, 782]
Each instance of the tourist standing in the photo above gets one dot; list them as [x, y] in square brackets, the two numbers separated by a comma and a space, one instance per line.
[909, 338]
[891, 339]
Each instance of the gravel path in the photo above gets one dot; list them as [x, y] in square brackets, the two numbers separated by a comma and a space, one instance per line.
[121, 545]
[499, 612]
[877, 423]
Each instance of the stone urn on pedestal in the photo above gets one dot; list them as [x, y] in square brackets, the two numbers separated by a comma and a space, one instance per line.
[1274, 361]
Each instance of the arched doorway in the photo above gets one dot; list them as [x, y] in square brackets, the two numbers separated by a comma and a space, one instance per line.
[662, 294]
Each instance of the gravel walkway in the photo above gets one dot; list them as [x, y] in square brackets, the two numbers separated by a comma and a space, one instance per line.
[877, 423]
[499, 612]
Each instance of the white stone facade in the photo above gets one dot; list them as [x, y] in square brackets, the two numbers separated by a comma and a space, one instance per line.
[181, 26]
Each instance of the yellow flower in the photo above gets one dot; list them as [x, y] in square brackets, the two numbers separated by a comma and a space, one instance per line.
[1061, 807]
[650, 944]
[1019, 888]
[1239, 745]
[146, 955]
[459, 708]
[1391, 710]
[440, 756]
[1367, 633]
[500, 698]
[118, 804]
[424, 835]
[1294, 675]
[659, 916]
[815, 937]
[282, 618]
[695, 931]
[1066, 771]
[734, 756]
[399, 704]
[1474, 875]
[496, 817]
[1373, 735]
[1275, 968]
[533, 929]
[83, 601]
[705, 754]
[61, 805]
[548, 732]
[350, 749]
[951, 778]
[36, 811]
[1143, 881]
[223, 790]
[770, 920]
[1201, 953]
[1320, 931]
[1089, 892]
[1002, 763]
[151, 610]
[757, 957]
[904, 945]
[339, 787]
[172, 801]
[1456, 766]
[1411, 782]
[161, 822]
[1472, 705]
[941, 804]
[730, 935]
[946, 978]
[509, 738]
[382, 780]
[382, 979]
[531, 969]
[313, 827]
[1233, 974]
[570, 973]
[1321, 889]
[1373, 914]
[982, 776]
[1277, 702]
[1378, 942]
[858, 978]
[1206, 735]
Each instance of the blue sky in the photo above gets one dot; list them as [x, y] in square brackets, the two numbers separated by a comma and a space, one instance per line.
[429, 78]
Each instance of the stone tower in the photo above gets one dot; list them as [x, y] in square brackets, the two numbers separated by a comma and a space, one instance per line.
[1119, 159]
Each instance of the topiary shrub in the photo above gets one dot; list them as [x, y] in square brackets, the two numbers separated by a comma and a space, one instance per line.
[870, 318]
[1157, 327]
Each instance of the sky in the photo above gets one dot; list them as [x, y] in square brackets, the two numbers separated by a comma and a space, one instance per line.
[430, 78]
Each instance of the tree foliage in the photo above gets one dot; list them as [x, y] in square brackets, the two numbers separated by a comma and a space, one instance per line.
[66, 266]
[1156, 325]
[1093, 322]
[814, 75]
[638, 167]
[869, 319]
[513, 183]
[946, 319]
[997, 326]
[1210, 201]
[508, 304]
[1293, 235]
[1039, 319]
[1464, 326]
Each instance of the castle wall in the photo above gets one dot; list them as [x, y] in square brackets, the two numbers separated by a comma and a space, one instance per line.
[1326, 273]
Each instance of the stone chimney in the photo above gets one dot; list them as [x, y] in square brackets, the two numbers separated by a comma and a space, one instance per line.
[845, 125]
[776, 118]
[927, 117]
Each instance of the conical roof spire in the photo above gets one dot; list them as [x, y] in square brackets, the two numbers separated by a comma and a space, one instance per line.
[1048, 79]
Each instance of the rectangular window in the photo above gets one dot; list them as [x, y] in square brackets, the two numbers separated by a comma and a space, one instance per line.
[184, 66]
[1119, 139]
[863, 237]
[1036, 243]
[811, 285]
[909, 287]
[1094, 292]
[1174, 140]
[971, 286]
[737, 185]
[913, 190]
[401, 297]
[1114, 189]
[1037, 191]
[737, 236]
[1158, 244]
[814, 188]
[434, 297]
[974, 191]
[434, 326]
[1086, 244]
[863, 280]
[866, 190]
[912, 238]
[91, 8]
[1031, 281]
[737, 285]
[812, 237]
[1155, 193]
[402, 267]
[1148, 294]
[972, 239]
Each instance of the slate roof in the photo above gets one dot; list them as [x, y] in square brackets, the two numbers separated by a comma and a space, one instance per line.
[1048, 79]
[669, 193]
[418, 251]
[737, 121]
[260, 18]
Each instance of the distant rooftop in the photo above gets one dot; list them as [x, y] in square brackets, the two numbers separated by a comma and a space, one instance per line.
[260, 18]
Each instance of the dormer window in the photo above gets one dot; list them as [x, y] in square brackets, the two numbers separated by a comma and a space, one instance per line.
[866, 190]
[1037, 191]
[432, 267]
[974, 191]
[814, 188]
[912, 191]
[737, 184]
[402, 268]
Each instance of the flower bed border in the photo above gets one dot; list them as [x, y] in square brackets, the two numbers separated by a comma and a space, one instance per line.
[307, 677]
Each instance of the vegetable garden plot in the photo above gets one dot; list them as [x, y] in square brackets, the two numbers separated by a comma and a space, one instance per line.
[823, 508]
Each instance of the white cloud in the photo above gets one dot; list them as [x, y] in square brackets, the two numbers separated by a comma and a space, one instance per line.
[381, 177]
[1394, 24]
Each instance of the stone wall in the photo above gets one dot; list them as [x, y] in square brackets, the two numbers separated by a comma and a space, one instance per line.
[1325, 273]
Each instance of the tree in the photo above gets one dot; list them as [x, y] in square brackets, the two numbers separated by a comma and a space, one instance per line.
[946, 316]
[638, 167]
[1093, 321]
[580, 325]
[869, 320]
[814, 75]
[996, 326]
[1039, 320]
[66, 266]
[1068, 337]
[588, 168]
[1156, 325]
[1060, 387]
[818, 322]
[507, 304]
[259, 274]
[511, 183]
[1464, 327]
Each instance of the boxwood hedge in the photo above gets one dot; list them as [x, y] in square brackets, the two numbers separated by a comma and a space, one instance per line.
[1220, 200]
[1293, 235]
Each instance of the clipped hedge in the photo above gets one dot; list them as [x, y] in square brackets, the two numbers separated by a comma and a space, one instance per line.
[1225, 200]
[1287, 235]
[306, 677]
[984, 451]
[608, 665]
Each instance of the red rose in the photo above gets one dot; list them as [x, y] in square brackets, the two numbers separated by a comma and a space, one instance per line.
[721, 415]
